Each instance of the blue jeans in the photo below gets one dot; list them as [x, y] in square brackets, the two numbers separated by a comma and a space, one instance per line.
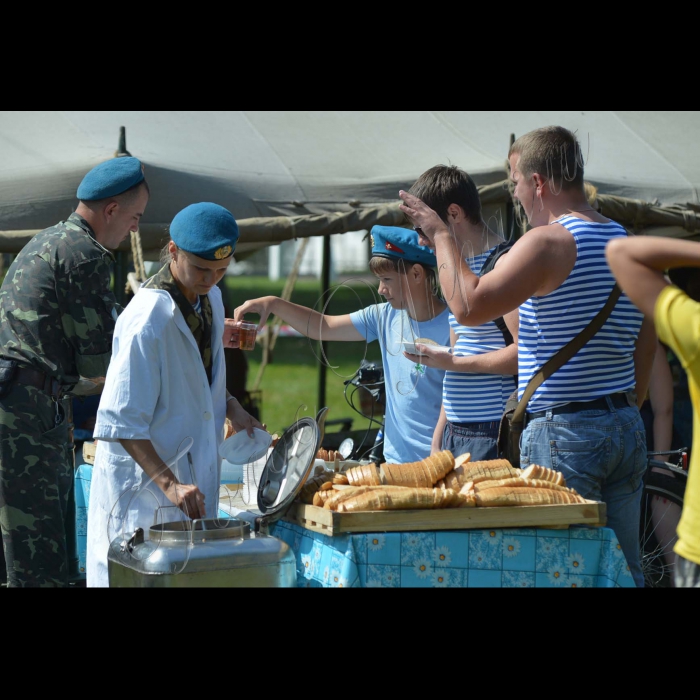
[602, 454]
[479, 439]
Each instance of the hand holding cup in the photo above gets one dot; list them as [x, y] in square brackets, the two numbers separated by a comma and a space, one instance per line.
[239, 334]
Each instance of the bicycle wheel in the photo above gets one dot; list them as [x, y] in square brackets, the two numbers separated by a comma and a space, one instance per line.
[662, 501]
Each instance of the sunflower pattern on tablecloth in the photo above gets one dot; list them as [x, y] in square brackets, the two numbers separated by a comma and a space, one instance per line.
[509, 558]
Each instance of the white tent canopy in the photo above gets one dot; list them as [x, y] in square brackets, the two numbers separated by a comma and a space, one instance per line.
[293, 174]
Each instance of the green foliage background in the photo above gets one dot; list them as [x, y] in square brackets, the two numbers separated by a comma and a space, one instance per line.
[289, 385]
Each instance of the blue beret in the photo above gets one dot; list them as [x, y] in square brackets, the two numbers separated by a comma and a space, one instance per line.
[111, 178]
[205, 229]
[400, 244]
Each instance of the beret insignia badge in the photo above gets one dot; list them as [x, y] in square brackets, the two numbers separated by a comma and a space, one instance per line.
[223, 252]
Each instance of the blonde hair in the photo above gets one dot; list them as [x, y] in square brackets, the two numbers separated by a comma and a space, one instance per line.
[591, 195]
[552, 151]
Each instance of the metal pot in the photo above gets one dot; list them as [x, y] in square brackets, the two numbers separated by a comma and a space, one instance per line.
[223, 552]
[201, 553]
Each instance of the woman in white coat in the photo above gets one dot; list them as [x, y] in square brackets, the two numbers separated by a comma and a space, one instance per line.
[165, 389]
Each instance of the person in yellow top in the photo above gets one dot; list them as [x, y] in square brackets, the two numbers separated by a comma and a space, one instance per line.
[638, 264]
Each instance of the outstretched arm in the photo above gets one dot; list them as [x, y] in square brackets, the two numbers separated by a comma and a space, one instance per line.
[638, 263]
[312, 324]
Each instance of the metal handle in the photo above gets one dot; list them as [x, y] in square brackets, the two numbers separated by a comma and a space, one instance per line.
[135, 540]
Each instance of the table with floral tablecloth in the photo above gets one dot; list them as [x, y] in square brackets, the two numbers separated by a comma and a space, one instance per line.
[575, 557]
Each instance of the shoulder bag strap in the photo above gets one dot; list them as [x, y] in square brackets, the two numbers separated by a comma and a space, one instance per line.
[566, 353]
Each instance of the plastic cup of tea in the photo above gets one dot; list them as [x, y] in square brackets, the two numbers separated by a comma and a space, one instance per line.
[247, 333]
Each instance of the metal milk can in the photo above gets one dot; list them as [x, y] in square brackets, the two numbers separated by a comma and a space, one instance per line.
[224, 552]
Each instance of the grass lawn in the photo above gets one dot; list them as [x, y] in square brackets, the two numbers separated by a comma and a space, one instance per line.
[290, 383]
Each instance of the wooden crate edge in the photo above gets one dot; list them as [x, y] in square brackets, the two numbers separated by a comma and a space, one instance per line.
[332, 523]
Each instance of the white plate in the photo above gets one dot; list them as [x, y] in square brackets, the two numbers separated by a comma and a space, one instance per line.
[242, 449]
[411, 348]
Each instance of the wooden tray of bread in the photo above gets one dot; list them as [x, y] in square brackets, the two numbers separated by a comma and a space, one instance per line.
[440, 493]
[329, 522]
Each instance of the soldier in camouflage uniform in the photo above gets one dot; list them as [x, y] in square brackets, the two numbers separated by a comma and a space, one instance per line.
[57, 317]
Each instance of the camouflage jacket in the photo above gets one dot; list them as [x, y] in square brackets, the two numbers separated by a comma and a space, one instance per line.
[57, 310]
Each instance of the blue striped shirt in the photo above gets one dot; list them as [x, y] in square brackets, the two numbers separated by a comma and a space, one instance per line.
[470, 397]
[605, 364]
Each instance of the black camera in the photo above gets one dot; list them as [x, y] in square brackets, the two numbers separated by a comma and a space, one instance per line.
[370, 376]
[369, 373]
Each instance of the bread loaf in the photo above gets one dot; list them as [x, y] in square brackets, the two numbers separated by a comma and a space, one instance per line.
[488, 469]
[344, 494]
[467, 497]
[312, 485]
[535, 471]
[525, 496]
[462, 459]
[328, 455]
[399, 498]
[364, 475]
[520, 481]
[422, 474]
[321, 497]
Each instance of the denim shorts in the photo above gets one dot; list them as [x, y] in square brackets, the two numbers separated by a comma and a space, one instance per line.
[479, 439]
[602, 454]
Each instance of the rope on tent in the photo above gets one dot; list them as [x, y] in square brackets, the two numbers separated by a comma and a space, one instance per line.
[135, 279]
[273, 328]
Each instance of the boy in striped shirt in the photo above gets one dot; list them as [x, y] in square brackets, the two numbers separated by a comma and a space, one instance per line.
[479, 370]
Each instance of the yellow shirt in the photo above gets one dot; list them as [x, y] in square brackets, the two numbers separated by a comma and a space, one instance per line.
[677, 319]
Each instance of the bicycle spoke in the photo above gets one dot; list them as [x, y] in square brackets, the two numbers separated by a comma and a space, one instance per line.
[662, 501]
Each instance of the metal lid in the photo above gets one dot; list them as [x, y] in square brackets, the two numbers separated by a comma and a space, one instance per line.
[288, 467]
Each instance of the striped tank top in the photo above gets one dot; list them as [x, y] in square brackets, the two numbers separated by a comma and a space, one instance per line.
[469, 397]
[604, 365]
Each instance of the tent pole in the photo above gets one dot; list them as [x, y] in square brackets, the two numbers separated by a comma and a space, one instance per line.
[121, 148]
[325, 284]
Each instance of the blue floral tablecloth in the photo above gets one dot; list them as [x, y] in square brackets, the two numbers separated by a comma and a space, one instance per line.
[577, 557]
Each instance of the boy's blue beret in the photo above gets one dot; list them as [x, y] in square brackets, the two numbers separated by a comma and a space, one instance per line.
[400, 244]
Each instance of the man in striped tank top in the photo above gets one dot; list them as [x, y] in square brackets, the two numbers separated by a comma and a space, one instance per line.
[479, 370]
[584, 420]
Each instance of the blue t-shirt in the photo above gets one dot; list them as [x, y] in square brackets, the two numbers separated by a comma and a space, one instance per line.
[413, 395]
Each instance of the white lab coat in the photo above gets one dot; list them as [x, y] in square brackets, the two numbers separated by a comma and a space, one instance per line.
[156, 389]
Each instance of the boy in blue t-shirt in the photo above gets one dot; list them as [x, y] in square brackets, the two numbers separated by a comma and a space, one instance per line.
[413, 310]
